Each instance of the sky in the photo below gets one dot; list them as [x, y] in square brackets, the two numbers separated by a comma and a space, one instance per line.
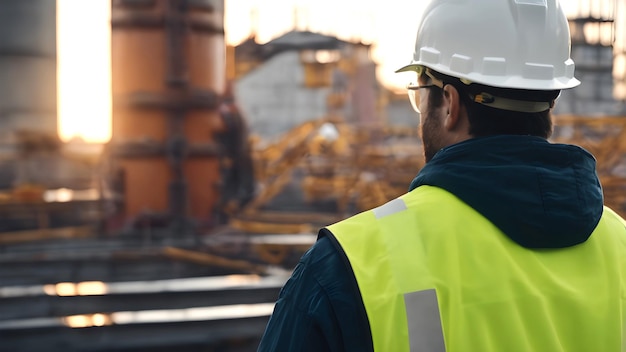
[83, 39]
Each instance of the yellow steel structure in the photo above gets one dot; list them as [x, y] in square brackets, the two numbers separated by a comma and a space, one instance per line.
[358, 174]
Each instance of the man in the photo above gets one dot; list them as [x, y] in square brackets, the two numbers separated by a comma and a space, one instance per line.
[502, 243]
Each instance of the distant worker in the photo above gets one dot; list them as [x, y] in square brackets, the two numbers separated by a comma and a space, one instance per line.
[236, 166]
[502, 243]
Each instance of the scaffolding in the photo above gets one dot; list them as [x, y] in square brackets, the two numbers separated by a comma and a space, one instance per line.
[619, 50]
[598, 48]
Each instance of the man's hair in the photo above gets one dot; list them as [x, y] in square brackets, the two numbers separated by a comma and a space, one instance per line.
[488, 121]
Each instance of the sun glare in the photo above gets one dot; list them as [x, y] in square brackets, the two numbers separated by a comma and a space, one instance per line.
[84, 70]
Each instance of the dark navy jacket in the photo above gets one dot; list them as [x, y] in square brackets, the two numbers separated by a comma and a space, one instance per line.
[539, 194]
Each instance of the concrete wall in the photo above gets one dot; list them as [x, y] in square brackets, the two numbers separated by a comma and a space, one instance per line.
[273, 98]
[400, 113]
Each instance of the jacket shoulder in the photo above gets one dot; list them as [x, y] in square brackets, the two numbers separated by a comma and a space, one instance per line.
[318, 308]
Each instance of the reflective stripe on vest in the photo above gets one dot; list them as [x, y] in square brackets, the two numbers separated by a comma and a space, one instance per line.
[424, 324]
[431, 269]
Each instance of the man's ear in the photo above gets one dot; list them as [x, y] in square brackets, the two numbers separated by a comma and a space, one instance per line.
[452, 106]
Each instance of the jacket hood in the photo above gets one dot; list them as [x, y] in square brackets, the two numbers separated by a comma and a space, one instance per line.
[541, 195]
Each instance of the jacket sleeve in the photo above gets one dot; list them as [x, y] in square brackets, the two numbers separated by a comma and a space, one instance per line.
[319, 308]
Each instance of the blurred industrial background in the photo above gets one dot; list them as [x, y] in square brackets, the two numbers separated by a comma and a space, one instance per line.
[223, 161]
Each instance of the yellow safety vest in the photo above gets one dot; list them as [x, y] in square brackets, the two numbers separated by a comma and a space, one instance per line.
[436, 275]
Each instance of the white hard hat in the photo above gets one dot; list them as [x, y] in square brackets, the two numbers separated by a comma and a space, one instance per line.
[519, 44]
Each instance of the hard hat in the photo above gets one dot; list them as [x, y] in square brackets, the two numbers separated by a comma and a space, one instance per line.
[519, 44]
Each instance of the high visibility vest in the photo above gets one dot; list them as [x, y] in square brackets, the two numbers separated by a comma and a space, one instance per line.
[436, 275]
